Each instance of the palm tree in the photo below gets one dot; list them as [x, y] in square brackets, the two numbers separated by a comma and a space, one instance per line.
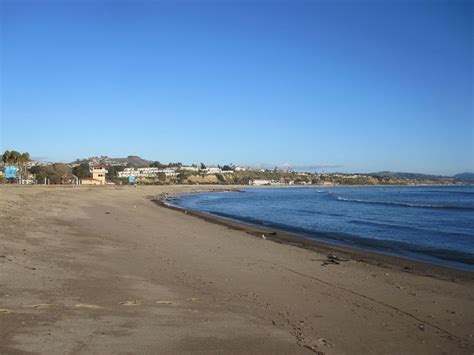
[6, 157]
[25, 157]
[14, 157]
[17, 158]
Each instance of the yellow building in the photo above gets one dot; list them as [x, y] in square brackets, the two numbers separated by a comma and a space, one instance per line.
[98, 173]
[98, 176]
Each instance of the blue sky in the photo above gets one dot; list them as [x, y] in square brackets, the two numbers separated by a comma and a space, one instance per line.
[361, 85]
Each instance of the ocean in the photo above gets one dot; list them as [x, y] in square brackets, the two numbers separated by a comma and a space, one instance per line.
[433, 224]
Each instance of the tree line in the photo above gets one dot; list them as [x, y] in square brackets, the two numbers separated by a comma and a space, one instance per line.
[15, 158]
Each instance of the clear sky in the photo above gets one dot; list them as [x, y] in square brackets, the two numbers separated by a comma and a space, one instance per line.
[360, 85]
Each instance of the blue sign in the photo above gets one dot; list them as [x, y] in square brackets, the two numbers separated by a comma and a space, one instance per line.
[132, 180]
[11, 171]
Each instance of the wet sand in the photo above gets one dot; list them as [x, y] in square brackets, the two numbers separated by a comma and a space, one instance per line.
[107, 270]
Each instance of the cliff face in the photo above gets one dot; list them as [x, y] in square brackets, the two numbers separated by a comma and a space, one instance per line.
[207, 179]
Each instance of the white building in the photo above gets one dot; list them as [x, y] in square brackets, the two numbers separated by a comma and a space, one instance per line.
[210, 171]
[260, 182]
[169, 171]
[214, 170]
[149, 172]
[190, 168]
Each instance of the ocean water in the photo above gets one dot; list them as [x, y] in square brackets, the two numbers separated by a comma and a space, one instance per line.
[433, 224]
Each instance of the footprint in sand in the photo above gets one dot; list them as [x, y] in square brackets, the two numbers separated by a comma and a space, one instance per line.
[84, 305]
[130, 303]
[41, 305]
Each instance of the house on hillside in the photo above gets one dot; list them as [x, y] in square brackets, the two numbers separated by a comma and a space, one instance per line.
[149, 172]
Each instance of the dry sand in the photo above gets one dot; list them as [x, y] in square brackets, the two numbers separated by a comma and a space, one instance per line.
[106, 270]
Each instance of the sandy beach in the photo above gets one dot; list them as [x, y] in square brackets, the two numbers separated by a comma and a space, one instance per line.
[108, 270]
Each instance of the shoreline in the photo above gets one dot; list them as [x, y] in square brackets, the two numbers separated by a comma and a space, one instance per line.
[336, 253]
[108, 270]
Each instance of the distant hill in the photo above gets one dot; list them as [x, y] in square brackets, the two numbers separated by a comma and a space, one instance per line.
[464, 177]
[408, 176]
[133, 160]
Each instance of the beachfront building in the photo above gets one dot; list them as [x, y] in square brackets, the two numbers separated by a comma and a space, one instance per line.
[153, 172]
[216, 170]
[260, 182]
[139, 172]
[169, 172]
[211, 171]
[97, 176]
[150, 172]
[263, 182]
[190, 168]
[98, 173]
